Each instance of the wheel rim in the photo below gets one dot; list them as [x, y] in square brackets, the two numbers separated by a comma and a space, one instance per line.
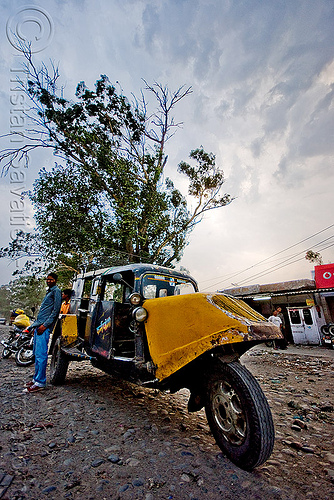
[27, 355]
[228, 413]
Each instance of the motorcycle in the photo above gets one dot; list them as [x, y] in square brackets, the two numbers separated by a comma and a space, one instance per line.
[20, 344]
[328, 335]
[10, 345]
[25, 355]
[20, 341]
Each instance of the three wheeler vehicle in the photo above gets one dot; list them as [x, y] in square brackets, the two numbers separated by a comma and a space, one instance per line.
[150, 325]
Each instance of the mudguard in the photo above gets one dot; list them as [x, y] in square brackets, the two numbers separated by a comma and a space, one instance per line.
[181, 328]
[66, 327]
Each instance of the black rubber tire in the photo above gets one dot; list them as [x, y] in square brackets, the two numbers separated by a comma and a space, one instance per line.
[239, 416]
[6, 353]
[24, 356]
[324, 329]
[59, 365]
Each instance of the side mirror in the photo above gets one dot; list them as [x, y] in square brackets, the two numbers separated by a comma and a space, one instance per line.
[117, 278]
[33, 309]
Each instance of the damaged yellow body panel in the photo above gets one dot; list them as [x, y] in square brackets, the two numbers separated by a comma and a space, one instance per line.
[69, 330]
[181, 328]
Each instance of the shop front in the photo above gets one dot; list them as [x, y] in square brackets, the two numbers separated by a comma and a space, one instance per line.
[306, 307]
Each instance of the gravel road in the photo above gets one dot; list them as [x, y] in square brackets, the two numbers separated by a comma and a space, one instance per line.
[100, 438]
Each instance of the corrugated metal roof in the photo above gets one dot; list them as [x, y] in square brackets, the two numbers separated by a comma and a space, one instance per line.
[329, 292]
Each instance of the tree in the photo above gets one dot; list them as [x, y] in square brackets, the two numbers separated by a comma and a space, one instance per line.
[4, 302]
[25, 293]
[110, 196]
[314, 257]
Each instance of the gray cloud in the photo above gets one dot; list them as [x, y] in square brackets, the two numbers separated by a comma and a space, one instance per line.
[258, 102]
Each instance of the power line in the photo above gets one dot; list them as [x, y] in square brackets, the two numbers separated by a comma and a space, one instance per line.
[229, 276]
[274, 255]
[268, 271]
[272, 269]
[277, 267]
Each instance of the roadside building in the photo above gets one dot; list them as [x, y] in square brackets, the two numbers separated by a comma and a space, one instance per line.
[306, 304]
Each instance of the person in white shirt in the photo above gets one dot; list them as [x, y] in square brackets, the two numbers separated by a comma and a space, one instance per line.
[274, 318]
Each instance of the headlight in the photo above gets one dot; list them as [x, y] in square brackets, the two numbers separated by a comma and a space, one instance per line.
[139, 314]
[135, 299]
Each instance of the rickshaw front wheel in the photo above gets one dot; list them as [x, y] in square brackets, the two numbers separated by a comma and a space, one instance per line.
[239, 415]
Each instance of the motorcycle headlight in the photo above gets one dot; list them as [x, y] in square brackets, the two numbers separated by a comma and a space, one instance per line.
[139, 314]
[135, 299]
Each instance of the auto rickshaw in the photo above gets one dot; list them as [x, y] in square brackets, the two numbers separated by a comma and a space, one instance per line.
[151, 326]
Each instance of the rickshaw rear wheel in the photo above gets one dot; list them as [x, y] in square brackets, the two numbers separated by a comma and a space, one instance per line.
[59, 364]
[239, 416]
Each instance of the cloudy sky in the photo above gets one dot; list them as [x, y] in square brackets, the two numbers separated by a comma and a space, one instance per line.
[262, 74]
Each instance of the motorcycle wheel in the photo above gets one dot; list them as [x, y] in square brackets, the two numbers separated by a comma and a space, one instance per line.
[59, 365]
[6, 353]
[239, 416]
[331, 333]
[25, 356]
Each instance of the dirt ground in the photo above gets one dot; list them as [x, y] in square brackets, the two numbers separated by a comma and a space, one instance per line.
[100, 438]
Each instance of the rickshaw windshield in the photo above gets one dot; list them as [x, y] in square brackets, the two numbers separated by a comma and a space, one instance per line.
[159, 285]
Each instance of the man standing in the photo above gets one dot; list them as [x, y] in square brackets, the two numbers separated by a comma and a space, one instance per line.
[274, 318]
[43, 326]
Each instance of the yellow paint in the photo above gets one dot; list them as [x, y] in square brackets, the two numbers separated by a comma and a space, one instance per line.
[88, 327]
[181, 328]
[237, 307]
[69, 331]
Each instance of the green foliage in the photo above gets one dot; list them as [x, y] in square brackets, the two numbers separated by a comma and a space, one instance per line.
[205, 180]
[27, 244]
[110, 197]
[69, 211]
[5, 302]
[22, 293]
[314, 257]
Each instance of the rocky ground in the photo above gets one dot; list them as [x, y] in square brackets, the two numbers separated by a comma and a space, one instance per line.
[99, 438]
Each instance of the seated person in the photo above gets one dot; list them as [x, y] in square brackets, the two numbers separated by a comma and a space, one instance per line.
[65, 307]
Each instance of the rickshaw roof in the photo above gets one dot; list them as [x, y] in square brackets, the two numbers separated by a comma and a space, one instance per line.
[138, 270]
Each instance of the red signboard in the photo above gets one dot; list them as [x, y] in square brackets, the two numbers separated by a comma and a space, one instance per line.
[324, 276]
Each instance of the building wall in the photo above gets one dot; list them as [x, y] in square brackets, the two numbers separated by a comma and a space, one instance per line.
[297, 293]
